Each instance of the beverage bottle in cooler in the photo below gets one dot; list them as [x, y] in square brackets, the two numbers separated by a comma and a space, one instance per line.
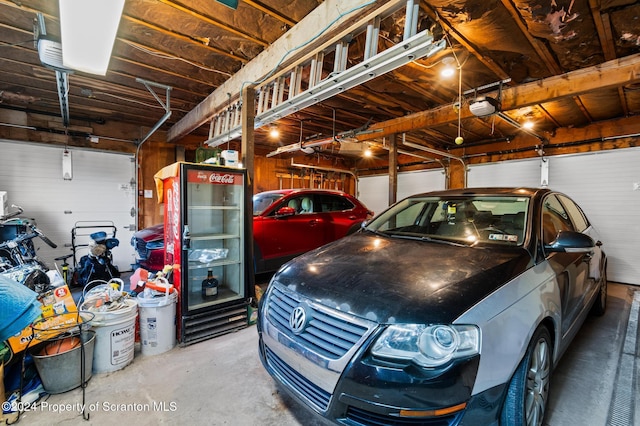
[209, 285]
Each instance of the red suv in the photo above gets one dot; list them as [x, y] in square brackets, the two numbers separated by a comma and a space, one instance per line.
[289, 222]
[286, 223]
[149, 246]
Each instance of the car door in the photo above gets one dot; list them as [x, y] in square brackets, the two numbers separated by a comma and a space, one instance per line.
[341, 215]
[291, 235]
[571, 269]
[581, 224]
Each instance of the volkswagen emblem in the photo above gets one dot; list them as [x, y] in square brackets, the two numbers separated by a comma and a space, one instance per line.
[298, 320]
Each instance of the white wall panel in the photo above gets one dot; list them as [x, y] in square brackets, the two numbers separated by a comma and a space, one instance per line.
[374, 190]
[100, 190]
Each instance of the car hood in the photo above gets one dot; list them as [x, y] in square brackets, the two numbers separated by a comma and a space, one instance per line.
[393, 280]
[152, 233]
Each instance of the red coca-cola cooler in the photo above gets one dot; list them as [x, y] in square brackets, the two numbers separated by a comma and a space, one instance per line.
[205, 226]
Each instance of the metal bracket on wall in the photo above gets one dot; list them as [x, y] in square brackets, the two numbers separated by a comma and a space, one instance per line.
[165, 105]
[63, 95]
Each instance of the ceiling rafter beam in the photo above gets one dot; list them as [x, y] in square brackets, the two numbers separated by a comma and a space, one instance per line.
[271, 12]
[610, 74]
[582, 108]
[548, 115]
[284, 53]
[605, 35]
[110, 89]
[184, 38]
[541, 49]
[214, 22]
[162, 70]
[489, 63]
[603, 28]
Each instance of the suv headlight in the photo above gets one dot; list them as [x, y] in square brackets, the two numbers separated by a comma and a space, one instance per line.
[154, 245]
[427, 345]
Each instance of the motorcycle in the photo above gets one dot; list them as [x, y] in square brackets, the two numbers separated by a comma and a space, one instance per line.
[18, 258]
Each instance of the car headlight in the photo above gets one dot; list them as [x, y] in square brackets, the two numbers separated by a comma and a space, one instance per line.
[154, 245]
[427, 345]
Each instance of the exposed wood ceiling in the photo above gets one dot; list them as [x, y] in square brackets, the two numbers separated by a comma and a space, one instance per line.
[571, 66]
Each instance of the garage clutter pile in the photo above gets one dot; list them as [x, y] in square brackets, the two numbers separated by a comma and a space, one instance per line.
[51, 345]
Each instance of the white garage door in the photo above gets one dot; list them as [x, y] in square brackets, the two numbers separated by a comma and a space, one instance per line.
[602, 183]
[410, 183]
[101, 189]
[508, 173]
[373, 191]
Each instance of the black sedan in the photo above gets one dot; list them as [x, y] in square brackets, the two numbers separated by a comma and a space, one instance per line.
[449, 308]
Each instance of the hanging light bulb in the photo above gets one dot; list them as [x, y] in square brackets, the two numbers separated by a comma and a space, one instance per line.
[449, 68]
[274, 132]
[528, 125]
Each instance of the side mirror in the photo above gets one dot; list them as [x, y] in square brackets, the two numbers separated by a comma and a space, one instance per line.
[571, 242]
[285, 212]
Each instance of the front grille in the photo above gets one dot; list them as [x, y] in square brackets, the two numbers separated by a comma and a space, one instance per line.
[356, 416]
[295, 380]
[141, 248]
[328, 333]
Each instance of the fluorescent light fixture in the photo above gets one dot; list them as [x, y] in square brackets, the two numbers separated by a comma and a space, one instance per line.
[88, 29]
[416, 47]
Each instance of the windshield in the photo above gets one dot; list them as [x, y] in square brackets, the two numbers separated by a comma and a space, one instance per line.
[262, 201]
[490, 219]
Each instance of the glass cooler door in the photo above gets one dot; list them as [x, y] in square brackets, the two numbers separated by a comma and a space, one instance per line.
[213, 227]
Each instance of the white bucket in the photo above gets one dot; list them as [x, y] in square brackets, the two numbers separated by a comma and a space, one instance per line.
[115, 337]
[157, 321]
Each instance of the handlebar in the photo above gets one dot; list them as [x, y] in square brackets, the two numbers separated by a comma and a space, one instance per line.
[13, 214]
[44, 238]
[24, 237]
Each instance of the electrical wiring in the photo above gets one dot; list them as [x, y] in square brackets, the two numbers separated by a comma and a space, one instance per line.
[174, 58]
[3, 44]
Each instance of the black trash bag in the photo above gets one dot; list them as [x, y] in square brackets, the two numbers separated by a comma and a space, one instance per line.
[38, 281]
[91, 268]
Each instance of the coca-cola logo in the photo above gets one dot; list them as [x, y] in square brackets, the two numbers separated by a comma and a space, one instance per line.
[219, 178]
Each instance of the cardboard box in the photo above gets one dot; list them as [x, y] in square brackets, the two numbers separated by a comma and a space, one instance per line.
[59, 314]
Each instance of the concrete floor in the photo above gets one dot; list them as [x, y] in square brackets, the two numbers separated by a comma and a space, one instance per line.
[221, 382]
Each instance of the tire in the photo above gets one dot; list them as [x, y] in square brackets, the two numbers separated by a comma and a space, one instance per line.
[528, 391]
[600, 304]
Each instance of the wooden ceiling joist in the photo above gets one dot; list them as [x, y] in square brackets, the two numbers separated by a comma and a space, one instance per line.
[615, 73]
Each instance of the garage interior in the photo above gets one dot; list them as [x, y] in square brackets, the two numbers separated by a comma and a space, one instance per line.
[182, 73]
